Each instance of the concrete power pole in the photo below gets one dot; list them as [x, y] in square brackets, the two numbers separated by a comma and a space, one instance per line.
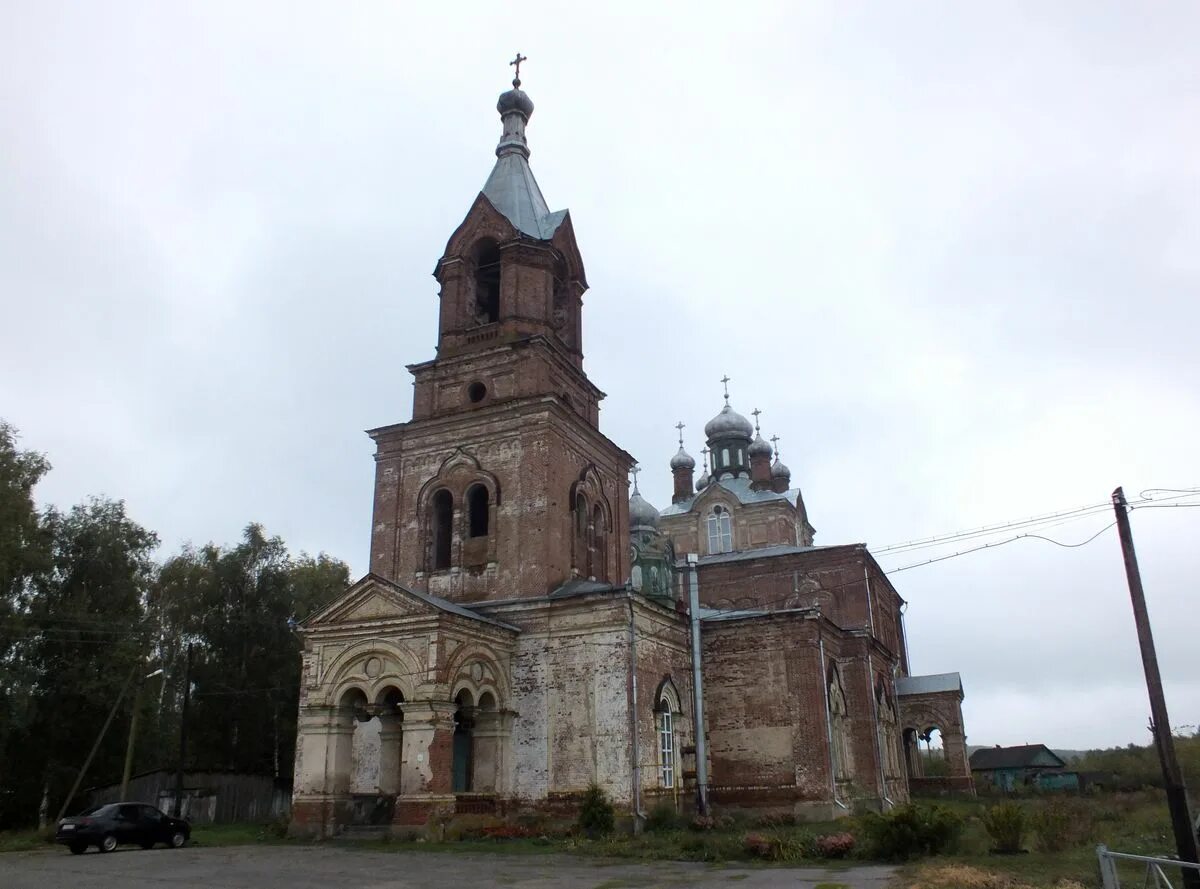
[1177, 800]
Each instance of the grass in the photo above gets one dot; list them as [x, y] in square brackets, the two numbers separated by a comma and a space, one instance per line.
[1135, 822]
[24, 840]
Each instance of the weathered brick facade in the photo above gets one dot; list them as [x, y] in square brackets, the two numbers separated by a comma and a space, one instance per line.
[505, 653]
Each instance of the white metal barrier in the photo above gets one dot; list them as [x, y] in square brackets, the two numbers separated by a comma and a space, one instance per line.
[1156, 877]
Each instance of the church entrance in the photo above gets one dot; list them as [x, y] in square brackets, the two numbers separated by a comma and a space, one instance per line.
[464, 725]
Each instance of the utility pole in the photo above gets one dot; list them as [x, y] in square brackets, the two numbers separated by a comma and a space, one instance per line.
[1177, 800]
[183, 721]
[133, 721]
[96, 744]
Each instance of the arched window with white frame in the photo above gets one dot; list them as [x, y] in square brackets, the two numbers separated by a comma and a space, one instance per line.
[665, 709]
[720, 531]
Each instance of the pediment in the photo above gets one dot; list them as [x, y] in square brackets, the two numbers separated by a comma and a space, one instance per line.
[372, 599]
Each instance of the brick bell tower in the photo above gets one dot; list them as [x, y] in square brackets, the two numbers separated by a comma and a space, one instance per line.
[502, 485]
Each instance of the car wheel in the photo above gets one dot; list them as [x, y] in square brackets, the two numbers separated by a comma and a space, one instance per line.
[108, 843]
[77, 848]
[178, 839]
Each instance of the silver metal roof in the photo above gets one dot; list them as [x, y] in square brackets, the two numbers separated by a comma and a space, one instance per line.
[923, 685]
[740, 488]
[763, 552]
[514, 192]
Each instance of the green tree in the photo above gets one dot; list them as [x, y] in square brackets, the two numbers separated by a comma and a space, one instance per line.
[86, 616]
[24, 553]
[238, 607]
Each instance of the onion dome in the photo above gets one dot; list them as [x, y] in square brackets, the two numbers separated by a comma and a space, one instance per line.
[728, 424]
[704, 481]
[641, 513]
[780, 470]
[515, 100]
[759, 448]
[682, 460]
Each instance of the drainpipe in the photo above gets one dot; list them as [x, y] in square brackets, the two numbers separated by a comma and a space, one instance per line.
[698, 687]
[904, 636]
[638, 816]
[828, 723]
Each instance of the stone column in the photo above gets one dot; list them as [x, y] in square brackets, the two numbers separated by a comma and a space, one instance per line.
[322, 774]
[426, 764]
[428, 747]
[390, 740]
[491, 736]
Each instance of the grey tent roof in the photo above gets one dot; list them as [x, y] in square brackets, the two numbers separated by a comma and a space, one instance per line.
[514, 192]
[922, 685]
[1019, 757]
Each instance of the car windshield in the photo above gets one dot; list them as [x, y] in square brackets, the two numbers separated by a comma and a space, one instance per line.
[100, 810]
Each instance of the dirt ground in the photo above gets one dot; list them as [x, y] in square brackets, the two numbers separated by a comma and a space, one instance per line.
[319, 867]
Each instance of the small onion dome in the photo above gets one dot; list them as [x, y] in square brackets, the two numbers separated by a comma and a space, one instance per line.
[728, 423]
[759, 448]
[704, 480]
[780, 470]
[641, 513]
[515, 100]
[682, 460]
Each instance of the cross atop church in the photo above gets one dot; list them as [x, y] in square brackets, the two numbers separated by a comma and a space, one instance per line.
[680, 426]
[517, 63]
[725, 382]
[634, 470]
[775, 442]
[756, 412]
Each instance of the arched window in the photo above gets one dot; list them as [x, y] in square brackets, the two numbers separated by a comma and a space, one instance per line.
[443, 519]
[599, 545]
[487, 282]
[720, 531]
[582, 527]
[664, 716]
[477, 511]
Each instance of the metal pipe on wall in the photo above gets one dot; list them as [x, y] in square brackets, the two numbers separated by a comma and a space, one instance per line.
[698, 687]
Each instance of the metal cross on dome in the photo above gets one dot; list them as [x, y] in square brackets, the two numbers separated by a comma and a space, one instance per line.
[680, 426]
[775, 442]
[634, 470]
[725, 382]
[517, 64]
[756, 413]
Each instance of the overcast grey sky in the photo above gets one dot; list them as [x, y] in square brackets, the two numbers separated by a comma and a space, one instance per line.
[952, 251]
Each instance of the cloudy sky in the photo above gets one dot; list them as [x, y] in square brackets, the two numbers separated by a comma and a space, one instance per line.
[952, 251]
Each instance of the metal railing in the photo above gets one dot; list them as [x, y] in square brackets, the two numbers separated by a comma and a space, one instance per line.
[1156, 877]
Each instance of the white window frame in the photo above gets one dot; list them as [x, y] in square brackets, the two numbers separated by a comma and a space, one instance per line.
[666, 747]
[720, 531]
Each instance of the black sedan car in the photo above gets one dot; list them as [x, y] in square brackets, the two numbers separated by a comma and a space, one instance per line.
[121, 824]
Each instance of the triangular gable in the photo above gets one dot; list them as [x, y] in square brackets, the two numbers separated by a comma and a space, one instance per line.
[373, 598]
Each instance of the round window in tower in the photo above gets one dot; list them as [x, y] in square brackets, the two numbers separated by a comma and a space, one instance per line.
[476, 392]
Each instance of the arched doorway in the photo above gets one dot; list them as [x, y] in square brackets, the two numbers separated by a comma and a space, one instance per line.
[462, 774]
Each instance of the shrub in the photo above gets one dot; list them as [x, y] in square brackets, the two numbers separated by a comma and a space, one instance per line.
[596, 812]
[911, 831]
[773, 847]
[1059, 826]
[702, 823]
[662, 817]
[1006, 824]
[834, 845]
[775, 819]
[756, 845]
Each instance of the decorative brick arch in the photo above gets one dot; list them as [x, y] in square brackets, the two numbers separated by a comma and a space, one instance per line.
[593, 542]
[458, 472]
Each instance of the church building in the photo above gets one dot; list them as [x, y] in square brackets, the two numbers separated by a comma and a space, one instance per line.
[525, 628]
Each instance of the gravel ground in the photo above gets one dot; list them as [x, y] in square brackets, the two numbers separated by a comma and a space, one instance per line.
[322, 867]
